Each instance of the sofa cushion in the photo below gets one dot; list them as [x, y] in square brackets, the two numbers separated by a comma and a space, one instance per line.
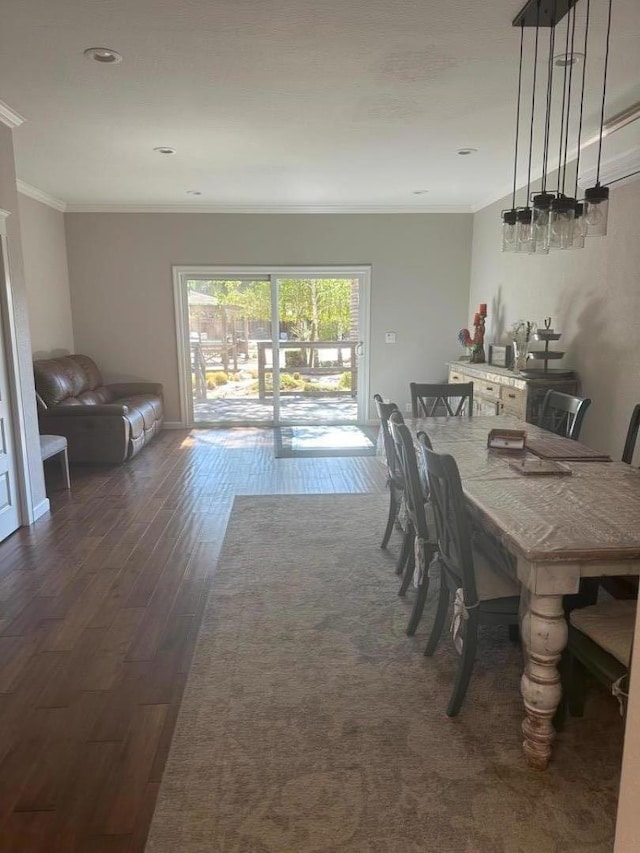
[93, 377]
[58, 379]
[97, 397]
[144, 406]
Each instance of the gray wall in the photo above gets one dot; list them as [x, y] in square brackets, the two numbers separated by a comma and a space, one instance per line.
[46, 277]
[593, 296]
[122, 299]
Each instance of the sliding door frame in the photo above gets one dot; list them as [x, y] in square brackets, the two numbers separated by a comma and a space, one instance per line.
[183, 273]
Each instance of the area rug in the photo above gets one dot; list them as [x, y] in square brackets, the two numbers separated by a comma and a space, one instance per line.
[312, 440]
[311, 722]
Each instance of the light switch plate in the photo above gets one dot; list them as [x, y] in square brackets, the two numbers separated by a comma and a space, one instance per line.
[389, 337]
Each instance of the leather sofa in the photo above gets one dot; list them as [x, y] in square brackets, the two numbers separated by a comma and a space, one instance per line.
[103, 424]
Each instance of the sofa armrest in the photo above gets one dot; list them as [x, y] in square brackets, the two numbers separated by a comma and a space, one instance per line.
[130, 389]
[72, 412]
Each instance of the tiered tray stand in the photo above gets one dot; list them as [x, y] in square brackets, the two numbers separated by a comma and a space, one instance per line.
[546, 355]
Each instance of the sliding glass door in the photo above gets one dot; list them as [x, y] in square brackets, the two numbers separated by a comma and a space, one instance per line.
[239, 366]
[320, 344]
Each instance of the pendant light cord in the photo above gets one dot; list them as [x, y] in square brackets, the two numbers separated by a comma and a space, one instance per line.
[547, 121]
[604, 92]
[584, 74]
[533, 100]
[515, 159]
[572, 20]
[562, 115]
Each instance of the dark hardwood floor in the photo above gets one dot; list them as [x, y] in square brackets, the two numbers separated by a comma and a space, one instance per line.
[100, 604]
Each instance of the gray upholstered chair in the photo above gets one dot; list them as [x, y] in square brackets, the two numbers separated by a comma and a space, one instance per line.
[599, 644]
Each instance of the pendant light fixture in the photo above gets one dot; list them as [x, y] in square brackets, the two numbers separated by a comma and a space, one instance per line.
[580, 221]
[597, 197]
[556, 220]
[563, 207]
[542, 200]
[510, 217]
[526, 231]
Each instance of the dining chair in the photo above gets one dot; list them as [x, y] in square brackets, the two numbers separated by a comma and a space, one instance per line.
[482, 594]
[621, 586]
[600, 639]
[429, 399]
[395, 480]
[563, 413]
[420, 543]
[632, 434]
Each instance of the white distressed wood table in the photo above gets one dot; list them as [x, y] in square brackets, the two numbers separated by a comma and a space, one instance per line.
[559, 529]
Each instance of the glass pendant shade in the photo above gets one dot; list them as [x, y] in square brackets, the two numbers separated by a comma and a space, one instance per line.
[561, 221]
[526, 231]
[579, 226]
[596, 201]
[509, 231]
[541, 209]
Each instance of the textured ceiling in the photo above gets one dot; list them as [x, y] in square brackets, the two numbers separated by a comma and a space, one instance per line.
[279, 104]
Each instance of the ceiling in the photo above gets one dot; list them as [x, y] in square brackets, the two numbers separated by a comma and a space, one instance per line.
[280, 104]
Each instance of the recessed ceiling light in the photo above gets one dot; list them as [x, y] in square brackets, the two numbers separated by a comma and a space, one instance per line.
[464, 152]
[420, 192]
[563, 60]
[194, 192]
[103, 54]
[164, 149]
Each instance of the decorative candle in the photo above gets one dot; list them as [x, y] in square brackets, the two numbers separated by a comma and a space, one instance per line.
[483, 309]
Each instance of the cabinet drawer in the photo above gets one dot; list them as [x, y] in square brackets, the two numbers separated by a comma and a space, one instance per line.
[513, 401]
[457, 376]
[488, 390]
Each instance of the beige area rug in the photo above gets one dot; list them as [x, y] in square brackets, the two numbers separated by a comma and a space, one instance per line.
[310, 721]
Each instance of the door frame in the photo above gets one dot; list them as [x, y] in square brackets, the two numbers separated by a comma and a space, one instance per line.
[182, 273]
[26, 511]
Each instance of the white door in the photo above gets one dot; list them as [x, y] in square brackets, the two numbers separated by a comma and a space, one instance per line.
[9, 506]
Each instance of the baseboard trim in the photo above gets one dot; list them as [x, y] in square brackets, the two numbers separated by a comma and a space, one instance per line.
[41, 509]
[173, 425]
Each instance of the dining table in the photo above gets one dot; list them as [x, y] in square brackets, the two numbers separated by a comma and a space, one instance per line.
[582, 521]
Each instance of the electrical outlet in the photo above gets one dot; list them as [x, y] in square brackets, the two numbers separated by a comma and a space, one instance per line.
[407, 408]
[389, 337]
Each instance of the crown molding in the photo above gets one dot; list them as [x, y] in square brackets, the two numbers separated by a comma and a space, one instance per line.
[40, 195]
[10, 117]
[72, 207]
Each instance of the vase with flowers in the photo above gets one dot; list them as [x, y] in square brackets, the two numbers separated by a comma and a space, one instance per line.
[521, 334]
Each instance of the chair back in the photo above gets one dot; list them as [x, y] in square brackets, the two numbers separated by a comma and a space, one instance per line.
[563, 413]
[450, 513]
[429, 399]
[385, 410]
[414, 489]
[632, 434]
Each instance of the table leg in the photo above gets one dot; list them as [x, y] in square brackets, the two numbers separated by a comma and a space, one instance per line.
[544, 634]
